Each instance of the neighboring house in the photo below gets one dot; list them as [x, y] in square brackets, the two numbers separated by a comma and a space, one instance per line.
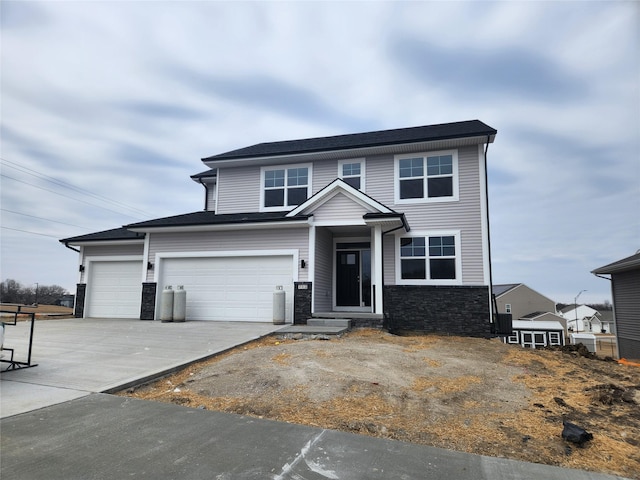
[586, 318]
[537, 332]
[390, 224]
[520, 300]
[66, 301]
[625, 290]
[535, 323]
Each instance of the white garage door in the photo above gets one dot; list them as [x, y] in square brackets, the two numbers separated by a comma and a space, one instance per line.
[114, 289]
[230, 288]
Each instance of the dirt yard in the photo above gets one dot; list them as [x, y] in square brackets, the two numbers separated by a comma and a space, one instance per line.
[473, 395]
[43, 312]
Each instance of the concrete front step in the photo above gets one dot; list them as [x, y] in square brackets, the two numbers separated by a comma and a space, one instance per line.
[312, 330]
[329, 322]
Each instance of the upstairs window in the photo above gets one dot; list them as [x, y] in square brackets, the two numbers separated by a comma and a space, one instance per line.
[352, 172]
[429, 259]
[429, 177]
[285, 187]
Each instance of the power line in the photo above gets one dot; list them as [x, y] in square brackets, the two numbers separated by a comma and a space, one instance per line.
[26, 231]
[70, 186]
[42, 218]
[67, 196]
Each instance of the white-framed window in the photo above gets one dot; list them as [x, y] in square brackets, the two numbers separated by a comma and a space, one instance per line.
[353, 172]
[429, 258]
[507, 308]
[426, 177]
[284, 187]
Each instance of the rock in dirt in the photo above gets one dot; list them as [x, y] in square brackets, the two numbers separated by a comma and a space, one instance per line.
[575, 434]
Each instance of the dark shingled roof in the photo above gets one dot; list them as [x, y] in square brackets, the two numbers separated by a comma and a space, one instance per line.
[445, 131]
[211, 173]
[629, 263]
[533, 315]
[113, 234]
[211, 218]
[500, 289]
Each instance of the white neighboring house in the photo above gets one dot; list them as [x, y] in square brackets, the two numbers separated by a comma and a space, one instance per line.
[588, 319]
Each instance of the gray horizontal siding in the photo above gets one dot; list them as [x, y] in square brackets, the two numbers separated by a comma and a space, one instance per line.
[340, 209]
[282, 239]
[323, 268]
[239, 190]
[113, 250]
[626, 300]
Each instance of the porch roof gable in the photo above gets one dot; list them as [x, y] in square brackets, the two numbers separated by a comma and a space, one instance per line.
[333, 189]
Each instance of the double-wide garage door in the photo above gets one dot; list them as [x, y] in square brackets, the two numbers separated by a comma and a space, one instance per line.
[114, 289]
[230, 288]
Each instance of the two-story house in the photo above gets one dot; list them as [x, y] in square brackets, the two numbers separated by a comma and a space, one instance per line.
[388, 224]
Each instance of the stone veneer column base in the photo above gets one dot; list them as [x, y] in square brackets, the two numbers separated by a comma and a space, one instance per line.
[148, 303]
[81, 290]
[449, 310]
[301, 302]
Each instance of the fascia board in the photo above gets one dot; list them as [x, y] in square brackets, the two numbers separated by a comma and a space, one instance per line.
[222, 227]
[89, 243]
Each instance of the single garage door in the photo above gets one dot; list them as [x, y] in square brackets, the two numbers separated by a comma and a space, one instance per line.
[230, 288]
[114, 289]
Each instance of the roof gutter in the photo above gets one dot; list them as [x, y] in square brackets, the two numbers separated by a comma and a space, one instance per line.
[70, 247]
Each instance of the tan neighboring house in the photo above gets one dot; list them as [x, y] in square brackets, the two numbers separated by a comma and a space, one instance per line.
[520, 300]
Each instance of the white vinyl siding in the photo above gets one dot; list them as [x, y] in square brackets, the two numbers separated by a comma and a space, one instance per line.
[258, 239]
[340, 209]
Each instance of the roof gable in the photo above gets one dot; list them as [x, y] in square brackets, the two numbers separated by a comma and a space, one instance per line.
[338, 186]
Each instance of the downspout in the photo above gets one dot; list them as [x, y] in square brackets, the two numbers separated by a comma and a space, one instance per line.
[494, 303]
[206, 195]
[71, 248]
[406, 227]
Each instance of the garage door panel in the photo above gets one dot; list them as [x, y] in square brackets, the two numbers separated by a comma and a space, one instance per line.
[114, 289]
[230, 288]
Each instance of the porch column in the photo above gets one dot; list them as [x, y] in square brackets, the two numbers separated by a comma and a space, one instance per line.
[376, 267]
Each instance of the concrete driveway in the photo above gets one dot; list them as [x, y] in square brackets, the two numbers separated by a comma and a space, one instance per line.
[77, 357]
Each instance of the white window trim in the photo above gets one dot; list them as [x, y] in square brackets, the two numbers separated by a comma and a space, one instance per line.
[362, 175]
[431, 233]
[507, 308]
[424, 155]
[309, 168]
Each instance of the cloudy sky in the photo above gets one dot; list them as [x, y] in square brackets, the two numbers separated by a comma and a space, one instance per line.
[107, 107]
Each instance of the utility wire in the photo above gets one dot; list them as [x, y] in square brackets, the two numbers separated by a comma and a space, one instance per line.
[67, 196]
[42, 218]
[26, 231]
[67, 185]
